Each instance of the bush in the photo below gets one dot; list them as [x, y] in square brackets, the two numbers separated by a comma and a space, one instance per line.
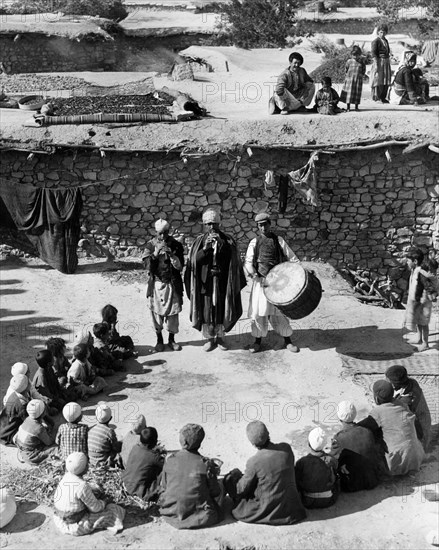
[109, 9]
[255, 23]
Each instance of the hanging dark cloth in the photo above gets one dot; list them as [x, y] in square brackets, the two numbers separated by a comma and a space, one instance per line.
[283, 193]
[50, 218]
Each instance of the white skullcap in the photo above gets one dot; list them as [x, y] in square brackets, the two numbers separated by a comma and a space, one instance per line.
[161, 225]
[19, 383]
[72, 411]
[317, 439]
[346, 411]
[19, 368]
[35, 408]
[103, 413]
[211, 216]
[76, 463]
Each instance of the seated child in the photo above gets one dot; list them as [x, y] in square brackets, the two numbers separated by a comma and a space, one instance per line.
[101, 356]
[46, 382]
[60, 362]
[103, 446]
[141, 476]
[81, 375]
[13, 413]
[72, 436]
[408, 391]
[316, 475]
[33, 437]
[132, 437]
[122, 347]
[327, 98]
[77, 510]
[22, 368]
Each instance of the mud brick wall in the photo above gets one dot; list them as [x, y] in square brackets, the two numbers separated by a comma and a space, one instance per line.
[35, 53]
[371, 209]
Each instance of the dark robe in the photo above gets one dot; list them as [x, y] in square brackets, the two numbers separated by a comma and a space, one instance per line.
[412, 396]
[141, 472]
[356, 472]
[12, 417]
[316, 473]
[267, 492]
[203, 272]
[189, 491]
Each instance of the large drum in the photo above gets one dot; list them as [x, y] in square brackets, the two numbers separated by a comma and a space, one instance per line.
[293, 289]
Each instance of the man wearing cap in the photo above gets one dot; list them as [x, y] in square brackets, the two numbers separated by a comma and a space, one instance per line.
[263, 253]
[213, 279]
[316, 473]
[266, 493]
[404, 450]
[103, 446]
[77, 511]
[33, 438]
[191, 491]
[72, 436]
[408, 391]
[164, 262]
[14, 412]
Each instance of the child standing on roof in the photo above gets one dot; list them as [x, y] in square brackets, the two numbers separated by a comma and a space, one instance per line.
[353, 84]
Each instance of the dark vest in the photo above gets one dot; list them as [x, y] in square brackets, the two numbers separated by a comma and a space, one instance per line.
[268, 253]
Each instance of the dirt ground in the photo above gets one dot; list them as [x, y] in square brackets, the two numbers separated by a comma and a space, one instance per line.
[222, 391]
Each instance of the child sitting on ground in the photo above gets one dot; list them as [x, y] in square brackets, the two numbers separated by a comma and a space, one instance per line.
[33, 437]
[316, 475]
[141, 476]
[81, 374]
[327, 98]
[103, 446]
[132, 437]
[122, 347]
[101, 355]
[46, 382]
[72, 436]
[60, 362]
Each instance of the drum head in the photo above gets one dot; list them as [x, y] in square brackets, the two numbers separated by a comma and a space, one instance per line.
[284, 283]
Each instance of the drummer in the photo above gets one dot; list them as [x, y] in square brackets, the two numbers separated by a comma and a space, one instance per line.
[263, 253]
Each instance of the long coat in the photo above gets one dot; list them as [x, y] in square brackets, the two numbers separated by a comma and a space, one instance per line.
[189, 491]
[267, 491]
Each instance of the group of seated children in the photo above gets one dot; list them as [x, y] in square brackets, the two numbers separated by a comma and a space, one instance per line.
[57, 382]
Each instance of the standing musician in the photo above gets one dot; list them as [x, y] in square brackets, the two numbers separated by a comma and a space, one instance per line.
[164, 262]
[263, 253]
[213, 279]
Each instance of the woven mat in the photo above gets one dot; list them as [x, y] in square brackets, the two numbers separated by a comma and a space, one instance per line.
[423, 363]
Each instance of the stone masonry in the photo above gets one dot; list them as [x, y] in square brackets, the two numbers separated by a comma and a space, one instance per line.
[371, 209]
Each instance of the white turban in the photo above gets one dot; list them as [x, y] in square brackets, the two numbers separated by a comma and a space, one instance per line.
[76, 463]
[72, 411]
[161, 225]
[19, 368]
[346, 411]
[103, 413]
[19, 383]
[211, 216]
[35, 408]
[317, 439]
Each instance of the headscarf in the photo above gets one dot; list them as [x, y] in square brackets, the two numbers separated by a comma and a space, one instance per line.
[76, 463]
[257, 433]
[382, 392]
[317, 439]
[17, 385]
[83, 337]
[397, 375]
[346, 411]
[19, 368]
[161, 225]
[35, 408]
[211, 216]
[72, 411]
[409, 56]
[191, 437]
[138, 424]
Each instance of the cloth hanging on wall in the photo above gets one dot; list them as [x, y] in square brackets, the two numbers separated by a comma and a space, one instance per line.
[283, 193]
[304, 181]
[51, 220]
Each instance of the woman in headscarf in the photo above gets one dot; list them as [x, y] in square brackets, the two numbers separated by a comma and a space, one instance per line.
[190, 485]
[380, 73]
[77, 510]
[404, 90]
[404, 450]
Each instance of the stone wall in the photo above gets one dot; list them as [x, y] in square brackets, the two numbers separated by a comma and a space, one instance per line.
[371, 209]
[36, 53]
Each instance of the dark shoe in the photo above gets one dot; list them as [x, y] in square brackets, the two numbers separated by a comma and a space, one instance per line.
[159, 347]
[174, 346]
[292, 348]
[221, 344]
[384, 101]
[209, 345]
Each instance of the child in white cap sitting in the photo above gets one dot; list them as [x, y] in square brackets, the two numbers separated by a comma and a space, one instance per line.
[316, 473]
[33, 437]
[103, 446]
[72, 436]
[77, 510]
